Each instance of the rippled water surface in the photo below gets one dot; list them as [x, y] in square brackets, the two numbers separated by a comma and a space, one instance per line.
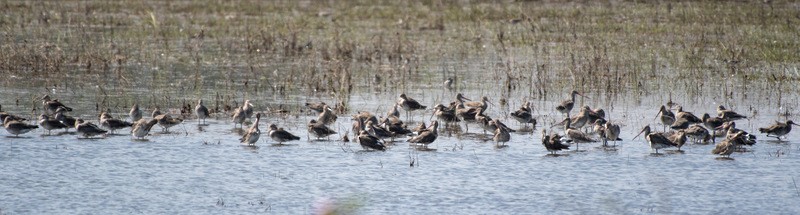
[204, 170]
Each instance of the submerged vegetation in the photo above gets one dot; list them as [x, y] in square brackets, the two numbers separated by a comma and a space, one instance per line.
[116, 53]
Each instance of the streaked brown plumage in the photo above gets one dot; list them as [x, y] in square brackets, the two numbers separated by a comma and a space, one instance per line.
[50, 124]
[142, 127]
[253, 133]
[778, 129]
[279, 135]
[728, 114]
[319, 130]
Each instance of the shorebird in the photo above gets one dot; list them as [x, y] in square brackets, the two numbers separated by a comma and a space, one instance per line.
[728, 114]
[448, 84]
[576, 135]
[778, 130]
[688, 116]
[7, 116]
[727, 146]
[607, 131]
[135, 113]
[166, 121]
[108, 122]
[420, 128]
[281, 136]
[88, 129]
[656, 140]
[377, 131]
[316, 106]
[409, 104]
[445, 114]
[201, 111]
[238, 117]
[368, 141]
[553, 142]
[142, 127]
[467, 115]
[501, 135]
[64, 119]
[678, 138]
[50, 106]
[16, 127]
[251, 136]
[50, 124]
[745, 139]
[698, 133]
[397, 128]
[247, 108]
[393, 112]
[483, 104]
[595, 114]
[666, 116]
[566, 105]
[156, 112]
[328, 117]
[428, 136]
[319, 130]
[524, 115]
[712, 122]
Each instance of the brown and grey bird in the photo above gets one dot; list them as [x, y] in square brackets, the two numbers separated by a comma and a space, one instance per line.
[688, 116]
[607, 131]
[445, 114]
[712, 122]
[728, 114]
[778, 130]
[16, 127]
[397, 128]
[64, 119]
[142, 127]
[427, 136]
[377, 131]
[595, 114]
[368, 141]
[727, 146]
[50, 105]
[327, 116]
[88, 129]
[448, 84]
[316, 106]
[238, 117]
[553, 142]
[135, 114]
[698, 133]
[745, 139]
[678, 139]
[409, 104]
[49, 124]
[319, 130]
[566, 106]
[166, 121]
[656, 140]
[279, 135]
[8, 116]
[201, 111]
[524, 115]
[248, 109]
[112, 124]
[393, 112]
[501, 135]
[251, 136]
[666, 116]
[577, 136]
[483, 103]
[467, 115]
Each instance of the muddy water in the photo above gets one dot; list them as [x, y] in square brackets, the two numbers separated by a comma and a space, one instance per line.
[204, 170]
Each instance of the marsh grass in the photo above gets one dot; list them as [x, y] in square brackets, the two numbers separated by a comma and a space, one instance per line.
[114, 54]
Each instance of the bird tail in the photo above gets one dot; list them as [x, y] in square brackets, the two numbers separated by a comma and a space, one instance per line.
[762, 130]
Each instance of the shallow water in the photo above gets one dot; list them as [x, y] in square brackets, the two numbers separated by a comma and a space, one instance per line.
[204, 170]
